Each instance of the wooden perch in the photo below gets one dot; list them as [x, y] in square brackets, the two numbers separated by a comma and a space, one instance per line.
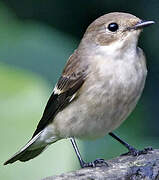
[143, 167]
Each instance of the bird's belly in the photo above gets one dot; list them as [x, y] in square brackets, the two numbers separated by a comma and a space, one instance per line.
[102, 107]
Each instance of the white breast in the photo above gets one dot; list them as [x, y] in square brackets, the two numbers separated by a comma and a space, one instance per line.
[109, 94]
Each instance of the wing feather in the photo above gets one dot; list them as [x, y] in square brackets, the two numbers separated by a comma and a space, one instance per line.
[69, 83]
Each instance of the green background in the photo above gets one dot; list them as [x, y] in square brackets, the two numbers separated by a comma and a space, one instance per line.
[36, 39]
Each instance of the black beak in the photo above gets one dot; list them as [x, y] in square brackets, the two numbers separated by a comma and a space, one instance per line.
[141, 24]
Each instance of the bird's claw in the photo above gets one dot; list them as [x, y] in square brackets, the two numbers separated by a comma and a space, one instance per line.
[135, 152]
[97, 163]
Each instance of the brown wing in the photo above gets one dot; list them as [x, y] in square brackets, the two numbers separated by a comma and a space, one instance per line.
[69, 83]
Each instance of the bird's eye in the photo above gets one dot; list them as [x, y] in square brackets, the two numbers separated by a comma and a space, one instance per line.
[113, 27]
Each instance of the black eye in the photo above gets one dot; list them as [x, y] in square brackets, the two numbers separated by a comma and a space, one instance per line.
[113, 27]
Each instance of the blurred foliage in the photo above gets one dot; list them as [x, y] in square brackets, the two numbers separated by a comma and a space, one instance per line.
[36, 39]
[22, 101]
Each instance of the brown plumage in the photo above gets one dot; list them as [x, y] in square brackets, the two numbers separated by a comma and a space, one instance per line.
[99, 87]
[68, 84]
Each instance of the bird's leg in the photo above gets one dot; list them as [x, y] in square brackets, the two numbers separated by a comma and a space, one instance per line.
[132, 151]
[83, 164]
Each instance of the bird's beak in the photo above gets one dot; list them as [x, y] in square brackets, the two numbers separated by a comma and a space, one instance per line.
[141, 24]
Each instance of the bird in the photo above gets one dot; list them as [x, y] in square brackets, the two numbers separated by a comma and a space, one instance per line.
[99, 87]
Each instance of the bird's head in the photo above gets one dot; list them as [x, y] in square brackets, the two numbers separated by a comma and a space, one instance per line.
[115, 28]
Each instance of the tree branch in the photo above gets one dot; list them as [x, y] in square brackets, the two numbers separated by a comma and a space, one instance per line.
[143, 167]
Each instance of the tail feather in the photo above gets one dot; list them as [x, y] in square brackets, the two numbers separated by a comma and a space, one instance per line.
[31, 154]
[26, 153]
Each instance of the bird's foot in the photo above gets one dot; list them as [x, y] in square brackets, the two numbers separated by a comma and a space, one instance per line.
[135, 152]
[96, 163]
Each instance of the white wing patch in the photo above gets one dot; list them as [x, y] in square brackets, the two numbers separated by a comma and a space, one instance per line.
[57, 91]
[72, 97]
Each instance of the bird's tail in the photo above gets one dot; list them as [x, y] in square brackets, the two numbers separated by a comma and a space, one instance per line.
[28, 152]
